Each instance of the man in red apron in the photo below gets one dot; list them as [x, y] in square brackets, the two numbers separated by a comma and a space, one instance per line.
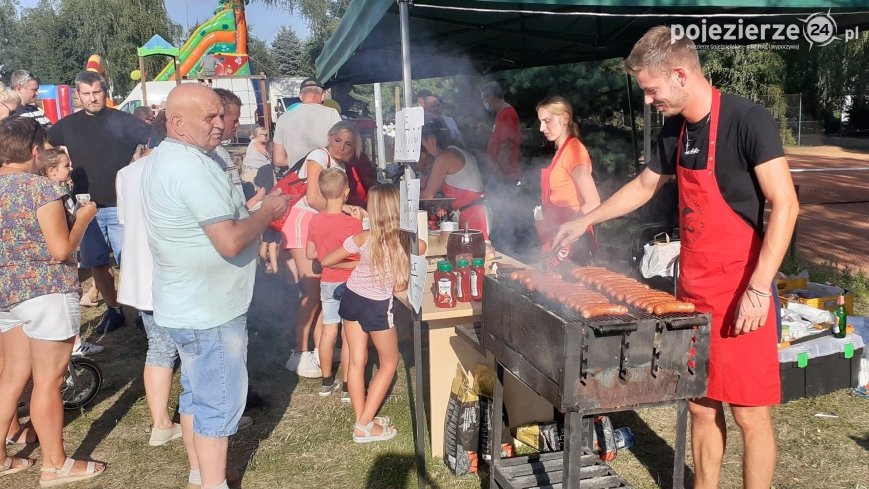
[728, 159]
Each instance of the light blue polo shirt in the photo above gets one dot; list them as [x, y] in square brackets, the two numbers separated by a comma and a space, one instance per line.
[184, 190]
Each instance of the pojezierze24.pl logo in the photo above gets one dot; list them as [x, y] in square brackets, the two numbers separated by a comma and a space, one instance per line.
[818, 29]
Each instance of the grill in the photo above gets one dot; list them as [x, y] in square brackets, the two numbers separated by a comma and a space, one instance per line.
[589, 366]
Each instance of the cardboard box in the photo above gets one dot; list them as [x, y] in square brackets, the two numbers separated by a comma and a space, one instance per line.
[828, 302]
[784, 284]
[820, 366]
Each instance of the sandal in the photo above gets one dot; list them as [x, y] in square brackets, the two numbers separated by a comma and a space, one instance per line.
[383, 420]
[27, 432]
[64, 475]
[387, 433]
[6, 467]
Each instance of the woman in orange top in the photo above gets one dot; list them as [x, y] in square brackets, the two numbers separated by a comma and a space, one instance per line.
[566, 186]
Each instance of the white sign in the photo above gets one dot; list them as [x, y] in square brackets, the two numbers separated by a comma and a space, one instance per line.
[418, 276]
[408, 133]
[409, 190]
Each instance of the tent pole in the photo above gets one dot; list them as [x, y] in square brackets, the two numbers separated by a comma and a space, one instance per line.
[647, 133]
[633, 122]
[418, 398]
[378, 117]
[404, 19]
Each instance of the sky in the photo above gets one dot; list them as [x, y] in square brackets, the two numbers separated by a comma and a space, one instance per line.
[263, 22]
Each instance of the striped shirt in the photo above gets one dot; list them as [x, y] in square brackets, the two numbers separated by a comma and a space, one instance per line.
[364, 280]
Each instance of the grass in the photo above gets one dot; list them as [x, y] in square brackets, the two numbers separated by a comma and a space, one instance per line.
[303, 441]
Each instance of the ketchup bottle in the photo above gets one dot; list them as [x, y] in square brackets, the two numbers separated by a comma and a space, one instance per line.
[477, 274]
[463, 281]
[445, 285]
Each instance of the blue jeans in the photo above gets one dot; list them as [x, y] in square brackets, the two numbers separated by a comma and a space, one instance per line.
[103, 235]
[213, 376]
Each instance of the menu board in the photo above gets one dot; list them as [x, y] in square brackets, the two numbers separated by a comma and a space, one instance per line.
[408, 134]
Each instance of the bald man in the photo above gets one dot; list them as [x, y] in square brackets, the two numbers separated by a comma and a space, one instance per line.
[204, 243]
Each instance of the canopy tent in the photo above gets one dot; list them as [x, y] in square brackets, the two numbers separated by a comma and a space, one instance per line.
[450, 37]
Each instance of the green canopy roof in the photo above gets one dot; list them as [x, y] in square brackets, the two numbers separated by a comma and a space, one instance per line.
[449, 37]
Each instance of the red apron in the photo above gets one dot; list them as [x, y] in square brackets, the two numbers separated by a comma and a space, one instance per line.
[472, 210]
[719, 253]
[553, 215]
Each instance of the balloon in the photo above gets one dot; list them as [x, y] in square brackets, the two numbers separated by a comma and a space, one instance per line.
[135, 75]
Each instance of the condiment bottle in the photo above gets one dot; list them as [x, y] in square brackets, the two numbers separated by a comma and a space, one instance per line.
[477, 273]
[463, 280]
[445, 285]
[840, 328]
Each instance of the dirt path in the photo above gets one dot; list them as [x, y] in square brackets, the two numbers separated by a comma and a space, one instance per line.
[833, 226]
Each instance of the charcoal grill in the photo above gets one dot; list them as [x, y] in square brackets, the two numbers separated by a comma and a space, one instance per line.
[589, 366]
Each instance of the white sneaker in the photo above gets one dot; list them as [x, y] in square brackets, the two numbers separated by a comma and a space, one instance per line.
[84, 348]
[293, 362]
[309, 366]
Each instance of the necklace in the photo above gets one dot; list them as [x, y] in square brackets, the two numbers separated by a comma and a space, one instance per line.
[689, 150]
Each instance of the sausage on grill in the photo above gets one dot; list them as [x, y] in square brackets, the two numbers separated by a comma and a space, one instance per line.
[672, 307]
[597, 310]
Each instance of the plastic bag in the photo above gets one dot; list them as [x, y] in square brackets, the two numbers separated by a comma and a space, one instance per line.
[660, 257]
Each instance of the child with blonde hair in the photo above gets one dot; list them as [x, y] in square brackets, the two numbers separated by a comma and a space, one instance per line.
[57, 167]
[366, 308]
[327, 232]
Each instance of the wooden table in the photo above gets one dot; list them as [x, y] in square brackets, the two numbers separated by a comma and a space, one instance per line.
[447, 350]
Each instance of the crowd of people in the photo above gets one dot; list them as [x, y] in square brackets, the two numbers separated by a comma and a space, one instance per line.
[189, 224]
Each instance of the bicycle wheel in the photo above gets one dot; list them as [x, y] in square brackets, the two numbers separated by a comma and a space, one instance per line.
[81, 384]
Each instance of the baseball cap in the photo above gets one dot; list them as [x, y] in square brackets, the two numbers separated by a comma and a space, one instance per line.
[310, 82]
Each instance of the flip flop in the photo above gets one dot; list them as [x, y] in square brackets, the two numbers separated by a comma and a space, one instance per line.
[6, 467]
[64, 475]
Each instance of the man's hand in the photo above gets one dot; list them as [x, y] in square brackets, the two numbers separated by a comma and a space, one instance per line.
[275, 204]
[751, 313]
[569, 232]
[252, 203]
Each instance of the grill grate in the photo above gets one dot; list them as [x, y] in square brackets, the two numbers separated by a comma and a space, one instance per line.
[567, 314]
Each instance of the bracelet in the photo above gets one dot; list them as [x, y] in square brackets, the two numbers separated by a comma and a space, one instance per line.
[758, 292]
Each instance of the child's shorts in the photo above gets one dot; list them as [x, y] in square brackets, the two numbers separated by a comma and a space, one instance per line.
[272, 236]
[372, 315]
[331, 304]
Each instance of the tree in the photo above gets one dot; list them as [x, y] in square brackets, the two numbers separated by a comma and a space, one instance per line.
[9, 49]
[287, 52]
[261, 57]
[756, 74]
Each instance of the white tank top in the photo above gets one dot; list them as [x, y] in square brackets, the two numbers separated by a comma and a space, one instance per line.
[468, 178]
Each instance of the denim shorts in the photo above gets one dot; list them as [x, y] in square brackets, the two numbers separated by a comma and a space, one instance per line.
[331, 304]
[372, 315]
[104, 234]
[213, 376]
[161, 348]
[53, 317]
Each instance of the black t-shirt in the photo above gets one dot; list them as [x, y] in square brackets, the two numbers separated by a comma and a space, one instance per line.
[99, 145]
[747, 137]
[34, 112]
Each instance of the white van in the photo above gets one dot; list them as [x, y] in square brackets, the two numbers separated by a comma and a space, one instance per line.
[157, 92]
